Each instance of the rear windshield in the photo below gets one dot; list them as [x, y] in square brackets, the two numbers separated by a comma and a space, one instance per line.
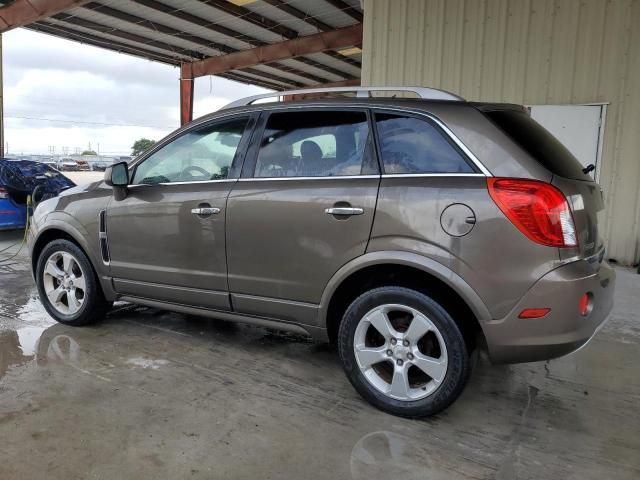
[539, 143]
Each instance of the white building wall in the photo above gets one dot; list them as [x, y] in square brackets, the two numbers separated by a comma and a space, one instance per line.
[530, 52]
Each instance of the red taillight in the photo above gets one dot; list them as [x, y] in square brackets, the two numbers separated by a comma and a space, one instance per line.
[534, 312]
[537, 209]
[584, 306]
[3, 193]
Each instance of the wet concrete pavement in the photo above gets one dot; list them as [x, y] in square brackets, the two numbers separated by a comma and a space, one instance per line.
[152, 394]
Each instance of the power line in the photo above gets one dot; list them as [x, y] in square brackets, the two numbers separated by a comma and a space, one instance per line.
[91, 123]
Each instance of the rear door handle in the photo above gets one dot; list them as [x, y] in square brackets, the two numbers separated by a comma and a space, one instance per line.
[205, 210]
[344, 211]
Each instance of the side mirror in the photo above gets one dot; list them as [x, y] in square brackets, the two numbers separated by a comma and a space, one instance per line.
[117, 175]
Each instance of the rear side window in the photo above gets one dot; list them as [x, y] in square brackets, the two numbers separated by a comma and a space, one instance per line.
[411, 145]
[538, 143]
[315, 144]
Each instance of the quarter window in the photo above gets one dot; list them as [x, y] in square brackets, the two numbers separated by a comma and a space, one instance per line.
[199, 155]
[315, 144]
[411, 145]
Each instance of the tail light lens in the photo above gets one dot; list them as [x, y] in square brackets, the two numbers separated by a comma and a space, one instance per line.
[3, 193]
[537, 209]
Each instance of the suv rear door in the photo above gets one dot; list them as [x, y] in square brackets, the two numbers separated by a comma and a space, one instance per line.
[303, 207]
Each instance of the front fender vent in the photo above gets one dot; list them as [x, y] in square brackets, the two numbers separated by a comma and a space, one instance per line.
[102, 235]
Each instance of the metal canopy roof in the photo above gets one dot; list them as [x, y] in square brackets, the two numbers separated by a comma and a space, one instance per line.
[180, 32]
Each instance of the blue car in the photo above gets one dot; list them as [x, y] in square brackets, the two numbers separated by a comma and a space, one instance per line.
[18, 180]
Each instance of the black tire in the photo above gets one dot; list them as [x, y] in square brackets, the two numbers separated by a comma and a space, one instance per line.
[458, 364]
[94, 306]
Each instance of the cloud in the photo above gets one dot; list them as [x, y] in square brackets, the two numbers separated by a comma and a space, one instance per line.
[66, 95]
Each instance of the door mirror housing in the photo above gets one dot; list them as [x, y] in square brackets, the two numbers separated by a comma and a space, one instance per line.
[117, 175]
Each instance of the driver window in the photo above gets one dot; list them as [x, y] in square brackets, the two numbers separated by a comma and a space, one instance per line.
[199, 155]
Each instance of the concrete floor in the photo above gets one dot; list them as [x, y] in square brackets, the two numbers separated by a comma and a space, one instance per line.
[150, 394]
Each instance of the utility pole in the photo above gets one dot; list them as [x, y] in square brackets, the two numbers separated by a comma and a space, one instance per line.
[1, 104]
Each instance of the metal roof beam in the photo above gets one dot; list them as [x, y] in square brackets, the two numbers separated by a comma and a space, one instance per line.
[251, 17]
[339, 56]
[187, 17]
[182, 15]
[271, 76]
[96, 41]
[339, 38]
[236, 77]
[353, 12]
[263, 22]
[299, 14]
[23, 12]
[132, 37]
[158, 27]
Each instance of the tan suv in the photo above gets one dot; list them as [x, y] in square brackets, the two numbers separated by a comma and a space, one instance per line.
[408, 231]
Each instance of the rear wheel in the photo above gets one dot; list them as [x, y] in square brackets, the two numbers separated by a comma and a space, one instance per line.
[403, 352]
[67, 284]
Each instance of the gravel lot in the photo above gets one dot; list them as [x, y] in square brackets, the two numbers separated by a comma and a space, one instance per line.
[82, 178]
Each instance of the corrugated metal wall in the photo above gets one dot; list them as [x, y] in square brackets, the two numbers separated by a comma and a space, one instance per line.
[529, 52]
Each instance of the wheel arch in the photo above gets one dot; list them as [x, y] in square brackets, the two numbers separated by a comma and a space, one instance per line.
[57, 229]
[404, 269]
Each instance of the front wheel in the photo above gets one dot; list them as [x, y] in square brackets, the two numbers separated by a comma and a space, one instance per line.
[403, 352]
[67, 284]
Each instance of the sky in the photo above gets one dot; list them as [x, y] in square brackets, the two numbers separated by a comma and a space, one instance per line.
[65, 95]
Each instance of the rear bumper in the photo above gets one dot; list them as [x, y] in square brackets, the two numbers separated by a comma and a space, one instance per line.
[563, 330]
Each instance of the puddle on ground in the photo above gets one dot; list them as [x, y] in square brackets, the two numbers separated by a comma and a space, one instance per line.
[24, 327]
[386, 454]
[29, 312]
[11, 353]
[29, 338]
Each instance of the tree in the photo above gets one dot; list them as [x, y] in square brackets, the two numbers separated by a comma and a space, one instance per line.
[140, 146]
[89, 152]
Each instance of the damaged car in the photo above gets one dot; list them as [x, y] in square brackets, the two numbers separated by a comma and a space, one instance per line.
[18, 180]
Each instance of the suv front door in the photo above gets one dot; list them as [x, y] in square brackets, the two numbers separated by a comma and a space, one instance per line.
[167, 237]
[303, 208]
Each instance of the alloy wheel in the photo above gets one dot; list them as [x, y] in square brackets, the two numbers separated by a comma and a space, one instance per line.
[64, 283]
[400, 352]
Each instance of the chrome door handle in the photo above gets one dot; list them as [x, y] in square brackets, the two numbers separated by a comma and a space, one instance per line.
[205, 211]
[344, 211]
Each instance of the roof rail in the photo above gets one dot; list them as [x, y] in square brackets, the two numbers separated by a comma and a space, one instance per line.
[422, 92]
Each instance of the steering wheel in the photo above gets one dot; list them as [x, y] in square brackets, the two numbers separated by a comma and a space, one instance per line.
[187, 171]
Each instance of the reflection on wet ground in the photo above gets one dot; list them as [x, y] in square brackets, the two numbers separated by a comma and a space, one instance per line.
[149, 394]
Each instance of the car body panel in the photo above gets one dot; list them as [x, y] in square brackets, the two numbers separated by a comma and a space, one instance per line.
[75, 211]
[500, 276]
[154, 238]
[299, 246]
[407, 259]
[12, 215]
[563, 329]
